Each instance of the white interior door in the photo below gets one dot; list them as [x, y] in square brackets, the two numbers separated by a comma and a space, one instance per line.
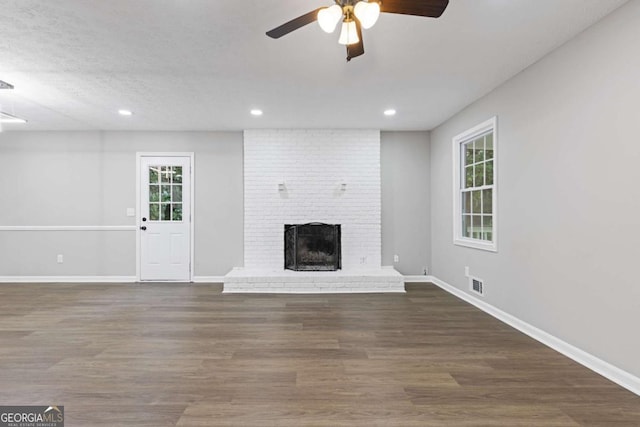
[165, 218]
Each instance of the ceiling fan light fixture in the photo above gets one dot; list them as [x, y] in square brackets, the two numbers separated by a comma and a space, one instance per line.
[329, 17]
[367, 13]
[357, 15]
[349, 33]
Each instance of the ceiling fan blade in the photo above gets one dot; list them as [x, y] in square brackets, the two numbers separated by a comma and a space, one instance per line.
[294, 24]
[429, 8]
[356, 49]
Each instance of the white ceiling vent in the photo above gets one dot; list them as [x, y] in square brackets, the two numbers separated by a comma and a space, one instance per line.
[476, 285]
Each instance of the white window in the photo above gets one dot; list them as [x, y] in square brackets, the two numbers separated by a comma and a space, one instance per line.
[474, 187]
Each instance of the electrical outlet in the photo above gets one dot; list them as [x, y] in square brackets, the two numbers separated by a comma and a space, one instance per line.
[60, 258]
[396, 258]
[131, 212]
[466, 271]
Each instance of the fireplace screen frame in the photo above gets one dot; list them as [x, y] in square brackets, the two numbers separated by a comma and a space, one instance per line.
[293, 246]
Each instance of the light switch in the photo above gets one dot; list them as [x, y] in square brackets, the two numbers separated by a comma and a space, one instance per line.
[131, 212]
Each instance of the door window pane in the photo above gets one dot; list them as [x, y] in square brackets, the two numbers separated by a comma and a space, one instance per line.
[166, 193]
[154, 193]
[177, 174]
[177, 193]
[153, 174]
[176, 212]
[165, 212]
[154, 212]
[165, 174]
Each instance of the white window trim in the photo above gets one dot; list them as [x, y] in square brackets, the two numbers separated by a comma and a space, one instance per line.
[458, 140]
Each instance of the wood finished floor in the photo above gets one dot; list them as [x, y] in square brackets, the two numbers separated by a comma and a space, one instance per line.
[186, 355]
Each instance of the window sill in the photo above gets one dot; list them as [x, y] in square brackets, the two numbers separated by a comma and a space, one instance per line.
[477, 244]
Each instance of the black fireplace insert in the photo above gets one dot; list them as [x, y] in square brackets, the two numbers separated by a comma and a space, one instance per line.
[312, 247]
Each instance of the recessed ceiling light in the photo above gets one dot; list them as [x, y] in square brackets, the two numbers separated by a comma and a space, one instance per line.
[390, 112]
[256, 112]
[125, 113]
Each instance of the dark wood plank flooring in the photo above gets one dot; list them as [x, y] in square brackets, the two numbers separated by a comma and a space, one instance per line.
[186, 355]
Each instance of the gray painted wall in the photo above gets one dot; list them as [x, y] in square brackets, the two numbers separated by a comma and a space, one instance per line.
[89, 178]
[404, 158]
[568, 193]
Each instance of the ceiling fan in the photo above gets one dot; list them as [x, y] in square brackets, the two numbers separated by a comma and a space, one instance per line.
[356, 15]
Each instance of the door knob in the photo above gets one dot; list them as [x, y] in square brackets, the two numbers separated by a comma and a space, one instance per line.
[143, 228]
[144, 219]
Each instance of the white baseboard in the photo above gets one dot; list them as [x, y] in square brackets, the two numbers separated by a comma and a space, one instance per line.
[417, 279]
[67, 279]
[607, 370]
[208, 279]
[93, 279]
[68, 228]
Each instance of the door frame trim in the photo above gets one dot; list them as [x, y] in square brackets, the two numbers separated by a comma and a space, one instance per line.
[191, 156]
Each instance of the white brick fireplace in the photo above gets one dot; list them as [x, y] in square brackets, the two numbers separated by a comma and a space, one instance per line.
[302, 176]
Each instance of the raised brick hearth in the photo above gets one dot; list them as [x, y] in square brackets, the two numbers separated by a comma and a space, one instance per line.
[383, 279]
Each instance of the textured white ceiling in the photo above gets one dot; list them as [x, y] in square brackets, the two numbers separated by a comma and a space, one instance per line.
[203, 64]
